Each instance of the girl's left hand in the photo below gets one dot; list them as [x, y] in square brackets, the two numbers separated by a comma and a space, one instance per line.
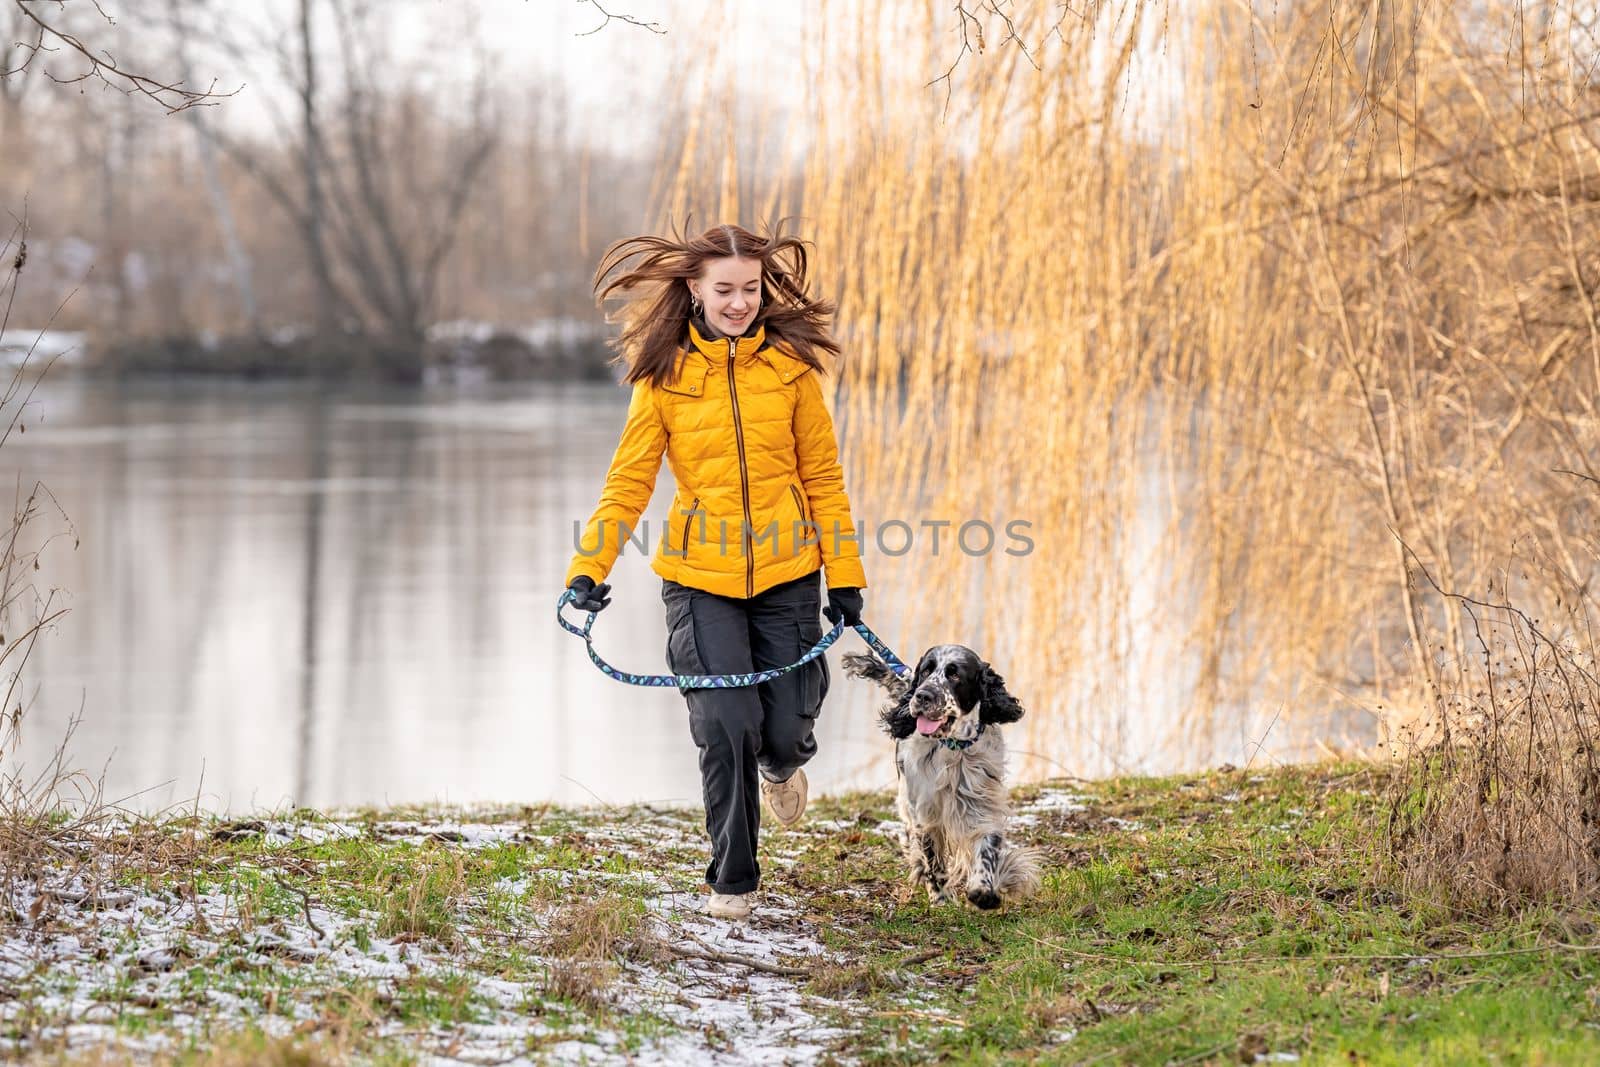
[844, 602]
[586, 596]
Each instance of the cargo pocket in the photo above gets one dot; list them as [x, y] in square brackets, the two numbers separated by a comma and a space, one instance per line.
[683, 651]
[814, 675]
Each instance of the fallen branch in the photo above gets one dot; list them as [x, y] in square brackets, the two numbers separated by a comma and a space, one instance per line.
[716, 956]
[921, 957]
[305, 901]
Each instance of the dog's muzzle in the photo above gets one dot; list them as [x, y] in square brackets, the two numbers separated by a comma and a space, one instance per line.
[930, 709]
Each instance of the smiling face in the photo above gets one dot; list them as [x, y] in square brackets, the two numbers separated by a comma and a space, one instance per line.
[946, 692]
[730, 289]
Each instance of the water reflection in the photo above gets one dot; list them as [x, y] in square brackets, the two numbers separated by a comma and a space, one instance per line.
[293, 595]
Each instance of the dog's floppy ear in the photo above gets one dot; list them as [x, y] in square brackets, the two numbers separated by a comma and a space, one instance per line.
[997, 705]
[898, 720]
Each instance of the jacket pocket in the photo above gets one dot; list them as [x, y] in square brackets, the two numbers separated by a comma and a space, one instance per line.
[799, 502]
[690, 382]
[803, 533]
[688, 525]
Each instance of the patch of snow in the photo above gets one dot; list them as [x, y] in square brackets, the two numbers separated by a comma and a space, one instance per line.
[45, 345]
[756, 1017]
[1057, 800]
[92, 958]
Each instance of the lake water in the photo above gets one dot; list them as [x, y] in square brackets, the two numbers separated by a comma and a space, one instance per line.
[329, 597]
[286, 595]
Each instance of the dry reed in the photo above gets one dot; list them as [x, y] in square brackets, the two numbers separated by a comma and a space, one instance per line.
[41, 807]
[1231, 303]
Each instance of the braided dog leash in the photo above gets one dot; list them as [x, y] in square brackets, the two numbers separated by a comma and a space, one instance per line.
[722, 681]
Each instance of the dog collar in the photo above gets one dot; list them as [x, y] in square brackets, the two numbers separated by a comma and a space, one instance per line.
[950, 742]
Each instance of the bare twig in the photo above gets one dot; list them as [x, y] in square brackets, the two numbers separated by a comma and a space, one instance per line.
[1576, 474]
[305, 902]
[174, 97]
[970, 26]
[653, 27]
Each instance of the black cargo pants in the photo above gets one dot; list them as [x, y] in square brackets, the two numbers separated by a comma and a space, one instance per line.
[763, 729]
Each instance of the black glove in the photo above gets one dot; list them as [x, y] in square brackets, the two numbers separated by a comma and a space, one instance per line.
[844, 601]
[586, 596]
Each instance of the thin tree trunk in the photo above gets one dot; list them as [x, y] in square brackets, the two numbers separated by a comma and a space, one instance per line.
[322, 272]
[311, 600]
[238, 256]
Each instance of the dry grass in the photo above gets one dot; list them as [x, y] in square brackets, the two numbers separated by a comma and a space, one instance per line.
[1227, 301]
[45, 806]
[423, 901]
[583, 982]
[1498, 803]
[585, 939]
[595, 928]
[62, 841]
[251, 1049]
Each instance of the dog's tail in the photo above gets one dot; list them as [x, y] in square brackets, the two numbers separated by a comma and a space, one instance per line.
[1019, 871]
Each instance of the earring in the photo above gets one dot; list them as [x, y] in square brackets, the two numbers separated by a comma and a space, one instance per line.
[695, 307]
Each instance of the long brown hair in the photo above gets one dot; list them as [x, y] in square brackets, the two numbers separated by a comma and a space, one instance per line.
[655, 319]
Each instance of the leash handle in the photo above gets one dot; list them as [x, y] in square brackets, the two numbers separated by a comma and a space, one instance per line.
[685, 682]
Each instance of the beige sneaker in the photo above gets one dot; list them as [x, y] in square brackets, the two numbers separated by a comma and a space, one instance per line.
[786, 800]
[729, 906]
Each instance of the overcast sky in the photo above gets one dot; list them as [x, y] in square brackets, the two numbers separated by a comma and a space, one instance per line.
[618, 78]
[613, 75]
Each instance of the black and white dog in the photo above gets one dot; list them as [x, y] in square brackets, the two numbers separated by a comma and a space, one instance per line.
[953, 799]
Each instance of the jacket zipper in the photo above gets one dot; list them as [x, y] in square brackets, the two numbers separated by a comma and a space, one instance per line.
[693, 509]
[798, 502]
[744, 482]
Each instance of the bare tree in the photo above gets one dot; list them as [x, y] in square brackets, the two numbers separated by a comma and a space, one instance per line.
[312, 219]
[205, 141]
[374, 252]
[394, 252]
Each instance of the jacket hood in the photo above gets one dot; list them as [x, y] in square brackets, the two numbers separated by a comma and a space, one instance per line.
[751, 345]
[715, 349]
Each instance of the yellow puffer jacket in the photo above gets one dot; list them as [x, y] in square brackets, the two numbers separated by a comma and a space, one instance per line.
[752, 447]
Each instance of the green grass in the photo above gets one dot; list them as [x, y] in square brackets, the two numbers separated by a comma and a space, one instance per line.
[1210, 919]
[1201, 919]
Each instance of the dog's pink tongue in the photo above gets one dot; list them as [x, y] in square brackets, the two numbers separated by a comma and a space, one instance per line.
[926, 725]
